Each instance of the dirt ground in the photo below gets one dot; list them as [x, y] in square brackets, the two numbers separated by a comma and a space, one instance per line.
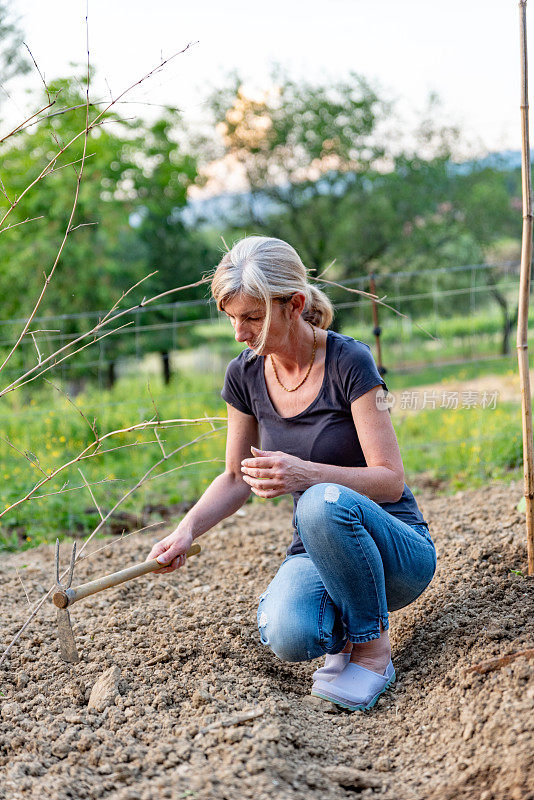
[190, 668]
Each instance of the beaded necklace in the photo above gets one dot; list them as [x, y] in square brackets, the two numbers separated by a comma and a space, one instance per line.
[294, 389]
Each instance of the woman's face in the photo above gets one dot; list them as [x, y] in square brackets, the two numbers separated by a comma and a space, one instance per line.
[247, 316]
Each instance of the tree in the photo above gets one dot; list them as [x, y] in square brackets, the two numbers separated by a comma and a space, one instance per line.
[317, 170]
[130, 173]
[320, 173]
[471, 208]
[179, 253]
[300, 148]
[91, 272]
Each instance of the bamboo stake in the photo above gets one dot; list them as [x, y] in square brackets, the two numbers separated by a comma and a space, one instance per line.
[524, 294]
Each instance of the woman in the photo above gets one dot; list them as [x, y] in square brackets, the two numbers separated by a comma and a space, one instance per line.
[312, 398]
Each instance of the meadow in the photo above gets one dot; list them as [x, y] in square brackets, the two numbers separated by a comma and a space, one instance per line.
[455, 447]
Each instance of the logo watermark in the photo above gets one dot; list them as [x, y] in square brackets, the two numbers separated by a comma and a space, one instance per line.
[419, 400]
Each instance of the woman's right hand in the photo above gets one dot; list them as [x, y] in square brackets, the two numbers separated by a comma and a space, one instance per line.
[171, 550]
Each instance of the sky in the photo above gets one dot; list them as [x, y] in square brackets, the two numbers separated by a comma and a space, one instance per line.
[465, 50]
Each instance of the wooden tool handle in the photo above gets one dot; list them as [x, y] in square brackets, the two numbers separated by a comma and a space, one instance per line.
[67, 597]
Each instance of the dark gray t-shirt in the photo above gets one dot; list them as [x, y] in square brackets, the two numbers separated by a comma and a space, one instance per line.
[324, 432]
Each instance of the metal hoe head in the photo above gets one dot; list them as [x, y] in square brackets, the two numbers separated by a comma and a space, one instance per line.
[67, 645]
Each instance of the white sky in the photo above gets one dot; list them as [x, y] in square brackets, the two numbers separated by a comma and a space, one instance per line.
[466, 50]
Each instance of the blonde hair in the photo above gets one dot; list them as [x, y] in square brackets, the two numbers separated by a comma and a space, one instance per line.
[268, 269]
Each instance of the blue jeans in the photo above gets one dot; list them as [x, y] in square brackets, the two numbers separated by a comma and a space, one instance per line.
[360, 562]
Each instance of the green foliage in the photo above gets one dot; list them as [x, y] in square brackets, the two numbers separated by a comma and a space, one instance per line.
[320, 177]
[180, 254]
[126, 224]
[301, 147]
[92, 269]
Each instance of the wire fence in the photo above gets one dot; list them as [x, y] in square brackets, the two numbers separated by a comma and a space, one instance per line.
[448, 316]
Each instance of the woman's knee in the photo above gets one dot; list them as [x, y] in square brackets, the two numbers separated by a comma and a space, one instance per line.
[325, 506]
[317, 501]
[286, 632]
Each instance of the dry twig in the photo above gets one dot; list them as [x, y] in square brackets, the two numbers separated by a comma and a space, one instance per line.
[376, 300]
[93, 498]
[502, 661]
[236, 719]
[22, 584]
[69, 223]
[51, 359]
[92, 426]
[86, 452]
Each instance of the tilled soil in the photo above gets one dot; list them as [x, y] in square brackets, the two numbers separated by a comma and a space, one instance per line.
[202, 710]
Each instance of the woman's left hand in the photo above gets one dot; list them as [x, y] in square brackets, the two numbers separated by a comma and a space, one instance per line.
[272, 474]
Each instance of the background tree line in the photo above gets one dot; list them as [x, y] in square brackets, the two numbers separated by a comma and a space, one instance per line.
[319, 165]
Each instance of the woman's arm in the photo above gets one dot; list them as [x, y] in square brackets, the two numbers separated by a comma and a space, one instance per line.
[222, 498]
[382, 480]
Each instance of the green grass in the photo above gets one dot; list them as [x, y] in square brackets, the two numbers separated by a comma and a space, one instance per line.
[465, 447]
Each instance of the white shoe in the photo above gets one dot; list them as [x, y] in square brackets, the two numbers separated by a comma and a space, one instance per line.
[333, 665]
[356, 687]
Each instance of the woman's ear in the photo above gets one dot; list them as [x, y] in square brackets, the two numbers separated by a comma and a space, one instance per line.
[297, 303]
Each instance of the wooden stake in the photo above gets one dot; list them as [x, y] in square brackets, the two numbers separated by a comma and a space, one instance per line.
[376, 327]
[524, 293]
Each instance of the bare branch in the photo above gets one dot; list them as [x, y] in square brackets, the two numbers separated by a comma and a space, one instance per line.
[23, 222]
[87, 452]
[69, 223]
[159, 440]
[376, 300]
[84, 225]
[107, 320]
[85, 133]
[39, 71]
[119, 539]
[326, 270]
[38, 351]
[43, 599]
[144, 479]
[153, 401]
[124, 294]
[120, 447]
[31, 457]
[91, 493]
[22, 584]
[22, 125]
[182, 466]
[92, 427]
[16, 384]
[95, 122]
[63, 490]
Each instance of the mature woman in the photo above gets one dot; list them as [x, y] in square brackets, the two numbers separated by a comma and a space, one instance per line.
[312, 397]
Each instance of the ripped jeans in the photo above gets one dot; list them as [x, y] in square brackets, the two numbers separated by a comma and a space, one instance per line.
[360, 562]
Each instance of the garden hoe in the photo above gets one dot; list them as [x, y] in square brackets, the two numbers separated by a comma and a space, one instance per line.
[65, 596]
